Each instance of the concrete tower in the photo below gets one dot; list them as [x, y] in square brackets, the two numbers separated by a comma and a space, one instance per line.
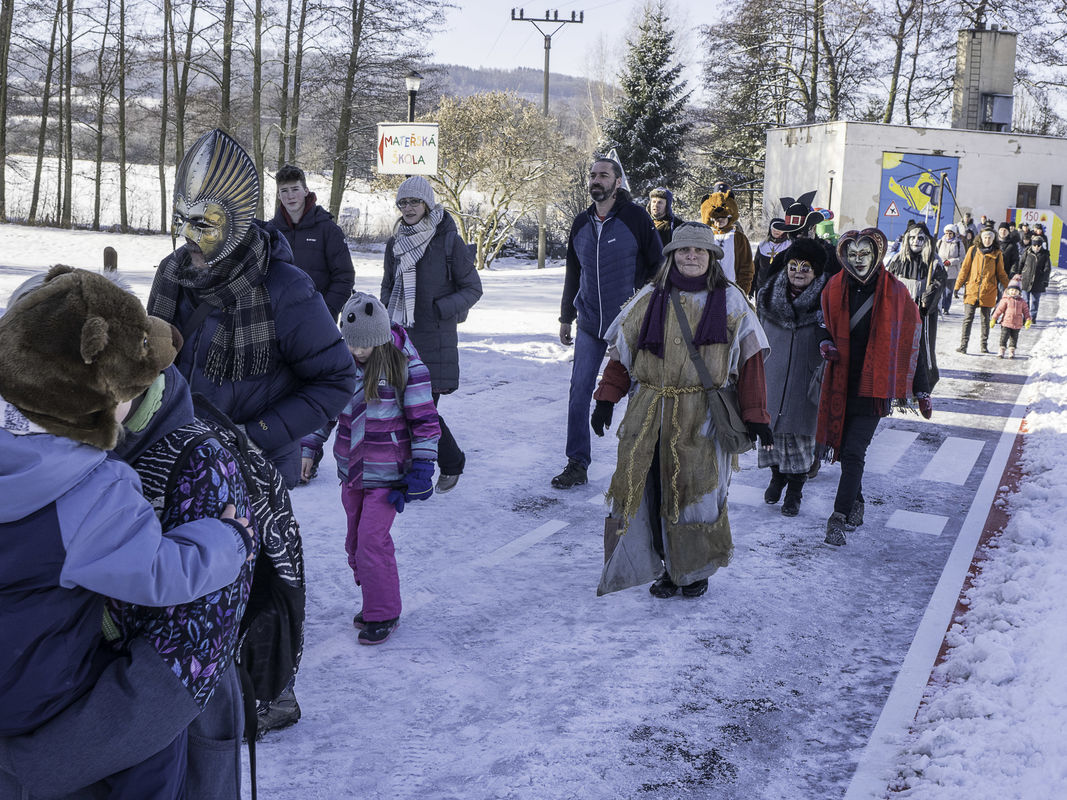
[985, 79]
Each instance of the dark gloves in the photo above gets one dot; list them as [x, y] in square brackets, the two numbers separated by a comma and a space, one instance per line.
[418, 485]
[602, 416]
[829, 352]
[419, 480]
[928, 303]
[926, 408]
[956, 293]
[761, 431]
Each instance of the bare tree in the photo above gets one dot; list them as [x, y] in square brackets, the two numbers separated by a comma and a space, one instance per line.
[225, 119]
[124, 217]
[7, 13]
[105, 81]
[492, 169]
[42, 133]
[67, 125]
[344, 120]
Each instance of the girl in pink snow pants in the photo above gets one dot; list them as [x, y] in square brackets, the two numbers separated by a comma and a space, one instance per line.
[385, 449]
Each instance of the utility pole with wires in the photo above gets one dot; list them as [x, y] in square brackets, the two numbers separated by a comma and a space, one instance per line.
[551, 18]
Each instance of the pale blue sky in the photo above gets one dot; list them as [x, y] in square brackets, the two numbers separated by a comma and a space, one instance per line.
[480, 33]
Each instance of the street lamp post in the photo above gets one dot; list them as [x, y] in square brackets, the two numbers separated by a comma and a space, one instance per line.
[413, 81]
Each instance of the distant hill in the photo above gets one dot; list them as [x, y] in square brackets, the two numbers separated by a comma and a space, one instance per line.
[527, 82]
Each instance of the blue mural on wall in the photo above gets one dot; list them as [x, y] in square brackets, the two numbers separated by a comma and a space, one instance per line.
[909, 191]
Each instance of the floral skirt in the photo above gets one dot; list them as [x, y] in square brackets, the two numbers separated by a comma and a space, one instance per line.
[793, 452]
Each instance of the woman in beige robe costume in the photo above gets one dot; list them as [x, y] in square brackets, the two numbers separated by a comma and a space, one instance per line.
[671, 481]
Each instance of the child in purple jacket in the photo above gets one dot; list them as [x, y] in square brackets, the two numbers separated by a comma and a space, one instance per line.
[385, 449]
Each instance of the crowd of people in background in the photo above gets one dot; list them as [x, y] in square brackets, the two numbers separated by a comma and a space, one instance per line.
[797, 345]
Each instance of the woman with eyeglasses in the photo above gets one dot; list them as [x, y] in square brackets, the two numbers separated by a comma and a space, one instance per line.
[429, 284]
[789, 309]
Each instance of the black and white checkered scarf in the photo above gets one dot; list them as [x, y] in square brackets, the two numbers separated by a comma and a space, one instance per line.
[244, 342]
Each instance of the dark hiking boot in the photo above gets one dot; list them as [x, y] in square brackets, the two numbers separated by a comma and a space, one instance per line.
[664, 587]
[281, 713]
[775, 487]
[836, 527]
[962, 349]
[815, 466]
[573, 475]
[696, 588]
[377, 632]
[357, 620]
[855, 516]
[984, 349]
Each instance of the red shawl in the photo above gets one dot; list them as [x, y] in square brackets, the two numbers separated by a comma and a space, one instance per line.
[890, 359]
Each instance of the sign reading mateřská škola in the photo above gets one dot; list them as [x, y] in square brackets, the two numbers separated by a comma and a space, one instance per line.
[407, 148]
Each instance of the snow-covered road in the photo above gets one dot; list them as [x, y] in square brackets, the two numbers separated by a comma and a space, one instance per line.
[509, 678]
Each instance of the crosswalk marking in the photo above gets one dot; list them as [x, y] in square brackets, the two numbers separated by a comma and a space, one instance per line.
[954, 460]
[887, 449]
[502, 554]
[915, 522]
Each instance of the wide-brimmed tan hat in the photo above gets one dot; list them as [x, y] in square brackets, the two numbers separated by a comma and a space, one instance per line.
[694, 234]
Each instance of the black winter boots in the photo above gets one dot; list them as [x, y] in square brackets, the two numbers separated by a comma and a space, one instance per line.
[793, 494]
[774, 489]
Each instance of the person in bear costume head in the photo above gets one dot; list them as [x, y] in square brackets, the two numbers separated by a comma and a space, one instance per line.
[74, 530]
[76, 348]
[719, 210]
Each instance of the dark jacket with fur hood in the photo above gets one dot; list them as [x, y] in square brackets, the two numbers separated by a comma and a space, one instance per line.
[794, 333]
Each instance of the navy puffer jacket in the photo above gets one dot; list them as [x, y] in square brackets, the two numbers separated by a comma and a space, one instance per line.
[605, 269]
[440, 300]
[313, 376]
[319, 248]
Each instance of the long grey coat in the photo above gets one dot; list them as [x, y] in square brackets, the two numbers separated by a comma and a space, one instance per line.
[794, 333]
[440, 299]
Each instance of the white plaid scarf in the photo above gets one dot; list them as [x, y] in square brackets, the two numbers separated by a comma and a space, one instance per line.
[408, 246]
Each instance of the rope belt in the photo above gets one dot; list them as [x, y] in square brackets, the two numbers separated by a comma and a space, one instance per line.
[633, 487]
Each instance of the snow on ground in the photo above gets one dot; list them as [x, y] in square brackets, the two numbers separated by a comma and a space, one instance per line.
[994, 721]
[509, 678]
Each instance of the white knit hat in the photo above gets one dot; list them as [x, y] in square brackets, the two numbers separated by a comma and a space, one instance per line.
[418, 187]
[365, 322]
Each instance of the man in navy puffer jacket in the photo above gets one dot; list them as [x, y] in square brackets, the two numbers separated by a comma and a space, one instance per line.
[613, 250]
[318, 244]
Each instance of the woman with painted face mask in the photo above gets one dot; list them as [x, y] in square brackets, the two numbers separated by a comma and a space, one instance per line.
[789, 310]
[981, 273]
[871, 351]
[429, 284]
[918, 267]
[669, 489]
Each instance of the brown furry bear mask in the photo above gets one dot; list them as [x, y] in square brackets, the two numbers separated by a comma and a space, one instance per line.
[717, 205]
[74, 348]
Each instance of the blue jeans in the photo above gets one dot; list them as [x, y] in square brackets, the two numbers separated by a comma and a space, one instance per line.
[1034, 299]
[588, 355]
[946, 296]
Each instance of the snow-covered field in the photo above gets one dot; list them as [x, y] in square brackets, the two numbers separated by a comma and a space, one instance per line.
[509, 678]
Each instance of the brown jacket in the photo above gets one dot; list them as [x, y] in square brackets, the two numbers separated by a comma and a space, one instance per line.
[980, 273]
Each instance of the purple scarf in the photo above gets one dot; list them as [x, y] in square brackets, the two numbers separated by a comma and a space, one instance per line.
[712, 326]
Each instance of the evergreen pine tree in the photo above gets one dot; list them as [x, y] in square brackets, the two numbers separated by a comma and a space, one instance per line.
[649, 125]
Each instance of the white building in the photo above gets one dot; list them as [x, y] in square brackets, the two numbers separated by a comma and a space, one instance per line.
[875, 175]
